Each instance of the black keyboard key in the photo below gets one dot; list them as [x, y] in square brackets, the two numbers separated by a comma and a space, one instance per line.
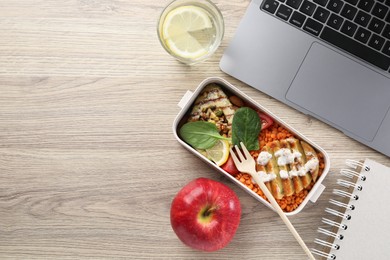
[362, 18]
[294, 3]
[335, 21]
[321, 14]
[284, 12]
[352, 2]
[335, 5]
[380, 10]
[386, 49]
[321, 2]
[270, 6]
[388, 18]
[376, 25]
[307, 7]
[366, 5]
[297, 19]
[387, 2]
[312, 26]
[362, 35]
[355, 48]
[386, 31]
[349, 11]
[376, 42]
[349, 28]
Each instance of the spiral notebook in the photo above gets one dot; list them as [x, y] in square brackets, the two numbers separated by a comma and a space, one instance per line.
[356, 224]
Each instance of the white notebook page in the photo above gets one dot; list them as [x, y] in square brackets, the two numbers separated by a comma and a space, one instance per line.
[368, 232]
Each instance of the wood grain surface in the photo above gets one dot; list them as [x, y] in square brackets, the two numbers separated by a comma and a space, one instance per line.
[88, 161]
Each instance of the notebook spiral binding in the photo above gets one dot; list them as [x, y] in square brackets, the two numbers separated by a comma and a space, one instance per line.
[344, 207]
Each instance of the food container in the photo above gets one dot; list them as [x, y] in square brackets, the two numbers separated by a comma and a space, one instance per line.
[186, 104]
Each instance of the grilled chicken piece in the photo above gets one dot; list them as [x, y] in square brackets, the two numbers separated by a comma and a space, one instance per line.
[262, 168]
[272, 167]
[284, 167]
[299, 164]
[213, 105]
[293, 164]
[311, 156]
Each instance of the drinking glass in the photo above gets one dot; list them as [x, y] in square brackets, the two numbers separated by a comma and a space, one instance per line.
[191, 30]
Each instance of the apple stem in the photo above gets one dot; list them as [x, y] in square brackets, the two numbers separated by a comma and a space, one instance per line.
[209, 211]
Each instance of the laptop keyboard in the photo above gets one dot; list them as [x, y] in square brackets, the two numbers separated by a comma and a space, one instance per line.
[360, 27]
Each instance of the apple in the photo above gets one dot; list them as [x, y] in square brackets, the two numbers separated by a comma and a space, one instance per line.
[205, 214]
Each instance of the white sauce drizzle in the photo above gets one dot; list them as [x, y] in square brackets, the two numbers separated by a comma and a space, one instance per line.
[285, 156]
[283, 174]
[308, 167]
[264, 158]
[266, 177]
[293, 173]
[311, 164]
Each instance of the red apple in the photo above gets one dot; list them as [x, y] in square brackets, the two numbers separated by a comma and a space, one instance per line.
[205, 214]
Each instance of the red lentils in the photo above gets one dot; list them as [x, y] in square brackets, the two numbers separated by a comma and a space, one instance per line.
[287, 203]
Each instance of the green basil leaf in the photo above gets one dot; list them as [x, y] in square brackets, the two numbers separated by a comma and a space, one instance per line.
[200, 134]
[246, 128]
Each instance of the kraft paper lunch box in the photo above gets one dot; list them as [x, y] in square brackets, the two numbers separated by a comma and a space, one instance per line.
[186, 104]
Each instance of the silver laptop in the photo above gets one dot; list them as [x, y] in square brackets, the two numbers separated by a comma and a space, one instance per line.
[326, 58]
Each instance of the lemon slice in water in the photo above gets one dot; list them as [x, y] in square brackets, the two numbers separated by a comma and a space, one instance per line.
[219, 153]
[183, 28]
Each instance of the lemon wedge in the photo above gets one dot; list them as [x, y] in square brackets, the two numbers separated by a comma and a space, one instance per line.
[181, 29]
[219, 153]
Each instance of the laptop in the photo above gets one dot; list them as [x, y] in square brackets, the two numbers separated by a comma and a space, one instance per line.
[326, 58]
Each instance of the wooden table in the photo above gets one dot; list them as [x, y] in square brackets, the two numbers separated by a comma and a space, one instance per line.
[88, 161]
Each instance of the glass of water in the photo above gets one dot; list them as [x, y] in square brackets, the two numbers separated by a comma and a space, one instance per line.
[191, 30]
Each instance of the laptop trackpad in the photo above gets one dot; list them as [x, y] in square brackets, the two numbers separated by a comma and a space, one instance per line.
[349, 95]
